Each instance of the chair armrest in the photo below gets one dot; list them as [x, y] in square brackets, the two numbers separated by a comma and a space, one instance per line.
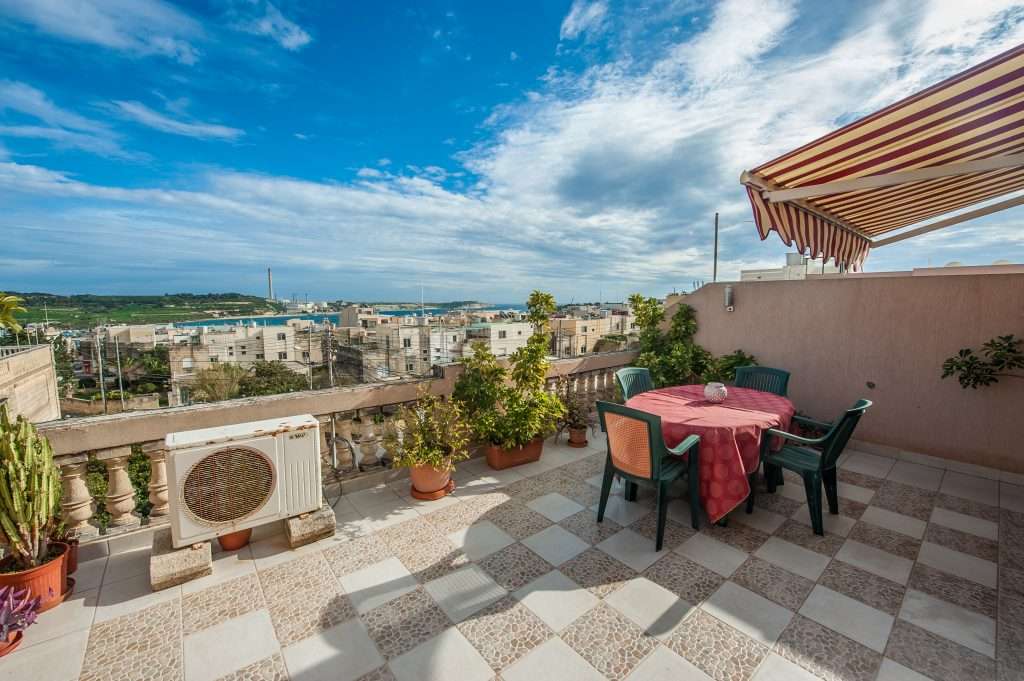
[823, 425]
[797, 438]
[690, 442]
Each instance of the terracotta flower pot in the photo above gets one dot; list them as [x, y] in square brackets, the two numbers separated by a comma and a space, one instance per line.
[233, 541]
[430, 483]
[12, 642]
[48, 581]
[499, 457]
[72, 555]
[577, 437]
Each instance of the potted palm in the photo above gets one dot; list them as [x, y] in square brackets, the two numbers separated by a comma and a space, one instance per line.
[578, 418]
[429, 437]
[509, 409]
[30, 513]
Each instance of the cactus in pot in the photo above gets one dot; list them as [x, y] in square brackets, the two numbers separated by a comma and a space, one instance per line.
[29, 493]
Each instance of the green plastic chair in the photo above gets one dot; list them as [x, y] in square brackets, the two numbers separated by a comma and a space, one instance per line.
[763, 378]
[633, 381]
[637, 453]
[816, 468]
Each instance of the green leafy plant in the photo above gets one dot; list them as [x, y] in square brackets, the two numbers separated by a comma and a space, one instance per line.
[999, 356]
[578, 414]
[271, 378]
[431, 432]
[510, 407]
[9, 306]
[723, 369]
[29, 493]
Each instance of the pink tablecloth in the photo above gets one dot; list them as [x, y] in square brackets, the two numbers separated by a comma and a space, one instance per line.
[730, 435]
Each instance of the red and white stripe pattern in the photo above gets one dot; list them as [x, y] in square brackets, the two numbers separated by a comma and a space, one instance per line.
[974, 115]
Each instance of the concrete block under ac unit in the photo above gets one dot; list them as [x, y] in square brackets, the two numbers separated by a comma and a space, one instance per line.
[309, 527]
[169, 566]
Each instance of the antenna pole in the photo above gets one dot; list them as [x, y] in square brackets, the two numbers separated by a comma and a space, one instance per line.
[120, 382]
[99, 363]
[714, 272]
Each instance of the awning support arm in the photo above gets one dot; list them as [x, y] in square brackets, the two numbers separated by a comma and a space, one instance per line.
[949, 222]
[891, 179]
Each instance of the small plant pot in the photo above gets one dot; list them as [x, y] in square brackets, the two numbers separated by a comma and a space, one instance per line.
[499, 457]
[577, 437]
[72, 555]
[48, 581]
[12, 642]
[233, 541]
[430, 483]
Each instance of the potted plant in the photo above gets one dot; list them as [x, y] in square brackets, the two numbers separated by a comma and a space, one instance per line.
[510, 410]
[18, 609]
[29, 514]
[428, 438]
[70, 537]
[578, 418]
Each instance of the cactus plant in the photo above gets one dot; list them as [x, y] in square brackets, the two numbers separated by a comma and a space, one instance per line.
[29, 493]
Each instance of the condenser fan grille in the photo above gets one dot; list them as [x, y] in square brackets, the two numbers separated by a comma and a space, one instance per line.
[228, 485]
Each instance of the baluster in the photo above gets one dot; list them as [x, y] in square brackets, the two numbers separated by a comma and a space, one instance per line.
[76, 503]
[158, 494]
[346, 450]
[367, 441]
[591, 380]
[120, 500]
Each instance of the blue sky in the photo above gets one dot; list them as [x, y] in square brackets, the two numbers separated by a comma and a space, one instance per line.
[479, 149]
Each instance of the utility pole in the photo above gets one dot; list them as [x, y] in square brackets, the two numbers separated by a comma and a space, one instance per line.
[309, 354]
[330, 362]
[99, 368]
[120, 382]
[714, 272]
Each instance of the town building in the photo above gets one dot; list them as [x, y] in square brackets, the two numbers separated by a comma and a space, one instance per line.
[797, 267]
[28, 382]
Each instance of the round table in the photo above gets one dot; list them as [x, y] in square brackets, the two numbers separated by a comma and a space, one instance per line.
[730, 435]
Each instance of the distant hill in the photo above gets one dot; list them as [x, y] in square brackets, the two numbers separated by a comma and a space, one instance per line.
[84, 310]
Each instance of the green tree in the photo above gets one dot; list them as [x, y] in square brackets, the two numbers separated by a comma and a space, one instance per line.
[218, 382]
[63, 365]
[271, 378]
[9, 306]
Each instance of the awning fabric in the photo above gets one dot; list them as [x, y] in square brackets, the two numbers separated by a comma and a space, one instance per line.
[948, 129]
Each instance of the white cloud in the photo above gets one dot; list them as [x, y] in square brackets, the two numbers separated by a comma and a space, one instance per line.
[142, 114]
[584, 16]
[139, 27]
[513, 56]
[274, 25]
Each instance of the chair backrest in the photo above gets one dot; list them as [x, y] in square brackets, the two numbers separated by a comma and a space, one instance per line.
[840, 434]
[635, 442]
[633, 381]
[763, 378]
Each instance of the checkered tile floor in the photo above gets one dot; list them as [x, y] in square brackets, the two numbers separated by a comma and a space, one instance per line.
[921, 576]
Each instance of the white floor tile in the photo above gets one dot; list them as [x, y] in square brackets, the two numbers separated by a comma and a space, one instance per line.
[760, 519]
[1011, 497]
[665, 665]
[632, 549]
[894, 671]
[853, 492]
[868, 464]
[128, 564]
[74, 614]
[551, 661]
[375, 500]
[480, 539]
[651, 606]
[778, 668]
[446, 656]
[751, 613]
[961, 625]
[793, 491]
[464, 592]
[876, 561]
[626, 512]
[58, 659]
[897, 522]
[556, 544]
[251, 637]
[554, 506]
[970, 487]
[90, 574]
[712, 554]
[796, 559]
[378, 584]
[226, 566]
[916, 475]
[130, 595]
[959, 564]
[965, 523]
[834, 524]
[556, 599]
[848, 616]
[342, 653]
[679, 511]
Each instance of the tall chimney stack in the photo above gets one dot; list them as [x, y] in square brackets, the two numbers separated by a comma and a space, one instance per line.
[270, 285]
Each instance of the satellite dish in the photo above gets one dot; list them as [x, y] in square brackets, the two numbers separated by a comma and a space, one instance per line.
[955, 263]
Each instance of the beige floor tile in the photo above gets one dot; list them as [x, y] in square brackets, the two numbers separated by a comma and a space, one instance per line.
[556, 599]
[712, 554]
[58, 659]
[754, 615]
[848, 616]
[130, 595]
[665, 665]
[897, 522]
[230, 645]
[74, 614]
[894, 671]
[630, 548]
[342, 653]
[377, 584]
[653, 608]
[798, 560]
[554, 506]
[959, 564]
[777, 668]
[437, 658]
[554, 660]
[916, 475]
[965, 523]
[876, 561]
[556, 545]
[971, 487]
[464, 592]
[950, 621]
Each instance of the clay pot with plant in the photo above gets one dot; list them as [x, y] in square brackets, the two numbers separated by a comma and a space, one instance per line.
[30, 514]
[18, 610]
[578, 418]
[430, 436]
[510, 409]
[70, 537]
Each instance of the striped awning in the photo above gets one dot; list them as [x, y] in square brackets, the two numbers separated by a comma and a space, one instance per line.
[944, 149]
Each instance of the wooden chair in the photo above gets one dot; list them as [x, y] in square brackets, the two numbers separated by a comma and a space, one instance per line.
[816, 468]
[763, 378]
[637, 453]
[633, 381]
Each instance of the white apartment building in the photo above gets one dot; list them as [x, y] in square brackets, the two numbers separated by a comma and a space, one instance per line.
[797, 267]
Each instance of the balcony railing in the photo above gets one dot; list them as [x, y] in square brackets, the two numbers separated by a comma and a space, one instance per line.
[353, 420]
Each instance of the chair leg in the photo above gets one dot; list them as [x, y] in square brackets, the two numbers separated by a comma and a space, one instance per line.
[772, 473]
[693, 481]
[752, 479]
[631, 491]
[662, 502]
[812, 485]
[606, 488]
[831, 490]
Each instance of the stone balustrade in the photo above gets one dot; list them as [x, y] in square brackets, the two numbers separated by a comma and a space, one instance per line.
[353, 422]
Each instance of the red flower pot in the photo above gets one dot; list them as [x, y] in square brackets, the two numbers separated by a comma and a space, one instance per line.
[12, 642]
[48, 581]
[499, 457]
[233, 541]
[577, 437]
[430, 483]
